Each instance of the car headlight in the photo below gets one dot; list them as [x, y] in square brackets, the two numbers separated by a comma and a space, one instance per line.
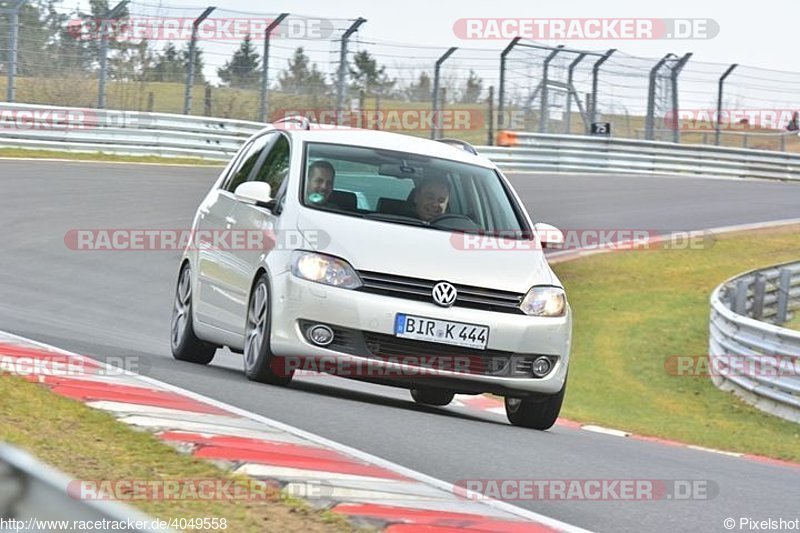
[324, 269]
[544, 301]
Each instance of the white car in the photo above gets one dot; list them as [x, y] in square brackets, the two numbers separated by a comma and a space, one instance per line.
[388, 260]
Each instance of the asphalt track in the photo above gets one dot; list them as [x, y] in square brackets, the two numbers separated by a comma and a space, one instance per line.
[118, 304]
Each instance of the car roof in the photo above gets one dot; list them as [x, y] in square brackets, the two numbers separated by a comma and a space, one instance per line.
[386, 140]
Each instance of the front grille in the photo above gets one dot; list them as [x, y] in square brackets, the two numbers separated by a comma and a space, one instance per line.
[434, 355]
[420, 290]
[437, 356]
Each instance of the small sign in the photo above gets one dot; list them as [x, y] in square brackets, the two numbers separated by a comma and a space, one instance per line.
[601, 128]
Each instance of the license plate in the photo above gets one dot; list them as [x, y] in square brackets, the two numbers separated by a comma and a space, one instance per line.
[441, 331]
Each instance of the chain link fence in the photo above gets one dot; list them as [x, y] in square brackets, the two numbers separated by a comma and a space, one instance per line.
[136, 56]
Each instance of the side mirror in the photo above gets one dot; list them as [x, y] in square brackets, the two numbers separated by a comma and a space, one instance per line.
[549, 236]
[254, 192]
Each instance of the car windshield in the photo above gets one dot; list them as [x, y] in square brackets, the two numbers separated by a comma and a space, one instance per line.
[409, 188]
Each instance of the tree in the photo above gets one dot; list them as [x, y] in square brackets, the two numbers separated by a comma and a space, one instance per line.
[172, 65]
[472, 89]
[242, 70]
[132, 63]
[167, 65]
[420, 91]
[33, 36]
[298, 78]
[367, 76]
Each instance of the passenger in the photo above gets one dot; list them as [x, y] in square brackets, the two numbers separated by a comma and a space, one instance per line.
[319, 182]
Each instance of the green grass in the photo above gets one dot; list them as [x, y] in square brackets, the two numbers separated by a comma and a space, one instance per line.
[91, 445]
[24, 153]
[793, 323]
[633, 310]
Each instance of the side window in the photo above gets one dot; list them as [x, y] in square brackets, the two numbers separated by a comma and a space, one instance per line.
[236, 163]
[275, 167]
[248, 161]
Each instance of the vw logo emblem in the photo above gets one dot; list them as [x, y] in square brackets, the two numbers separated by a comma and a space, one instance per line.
[444, 294]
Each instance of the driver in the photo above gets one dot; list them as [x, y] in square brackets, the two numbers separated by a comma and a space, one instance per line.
[430, 198]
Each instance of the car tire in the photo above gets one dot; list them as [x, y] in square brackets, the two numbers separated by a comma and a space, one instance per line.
[539, 412]
[260, 364]
[438, 397]
[184, 343]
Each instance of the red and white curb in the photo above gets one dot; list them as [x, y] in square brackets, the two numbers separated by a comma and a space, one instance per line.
[495, 406]
[367, 489]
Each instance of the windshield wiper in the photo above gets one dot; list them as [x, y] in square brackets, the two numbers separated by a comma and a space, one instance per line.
[386, 217]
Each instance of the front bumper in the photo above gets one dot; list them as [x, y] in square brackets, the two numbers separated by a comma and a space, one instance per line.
[296, 301]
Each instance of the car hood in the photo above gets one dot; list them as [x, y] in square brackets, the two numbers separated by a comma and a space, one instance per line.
[424, 253]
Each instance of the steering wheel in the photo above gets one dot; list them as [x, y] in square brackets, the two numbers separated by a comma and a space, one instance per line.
[456, 221]
[448, 216]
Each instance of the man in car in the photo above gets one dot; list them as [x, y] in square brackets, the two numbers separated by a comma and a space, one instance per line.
[430, 198]
[319, 183]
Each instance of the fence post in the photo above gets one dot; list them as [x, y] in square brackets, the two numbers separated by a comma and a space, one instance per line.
[595, 75]
[11, 60]
[721, 84]
[187, 98]
[784, 285]
[262, 112]
[104, 26]
[649, 120]
[490, 128]
[207, 101]
[343, 68]
[437, 123]
[501, 96]
[759, 288]
[676, 71]
[378, 109]
[740, 300]
[543, 103]
[570, 74]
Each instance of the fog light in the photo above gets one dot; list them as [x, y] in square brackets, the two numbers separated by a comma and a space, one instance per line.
[541, 366]
[320, 335]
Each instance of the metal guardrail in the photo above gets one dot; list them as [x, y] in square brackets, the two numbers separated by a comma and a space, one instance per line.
[162, 134]
[749, 353]
[743, 135]
[581, 153]
[121, 132]
[33, 494]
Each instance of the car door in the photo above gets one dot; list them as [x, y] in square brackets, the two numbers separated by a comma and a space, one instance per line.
[214, 286]
[251, 219]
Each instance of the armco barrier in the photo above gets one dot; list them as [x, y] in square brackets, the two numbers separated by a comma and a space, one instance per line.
[121, 132]
[749, 353]
[33, 494]
[161, 134]
[580, 153]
